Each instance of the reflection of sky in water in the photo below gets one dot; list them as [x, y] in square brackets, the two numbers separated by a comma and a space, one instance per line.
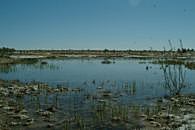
[77, 71]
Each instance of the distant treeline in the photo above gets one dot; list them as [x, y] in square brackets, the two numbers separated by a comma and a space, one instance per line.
[180, 50]
[184, 50]
[4, 51]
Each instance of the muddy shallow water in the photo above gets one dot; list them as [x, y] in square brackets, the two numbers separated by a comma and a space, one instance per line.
[83, 93]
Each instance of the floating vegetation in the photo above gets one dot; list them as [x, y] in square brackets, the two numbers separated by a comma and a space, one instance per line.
[106, 61]
[190, 65]
[43, 62]
[27, 61]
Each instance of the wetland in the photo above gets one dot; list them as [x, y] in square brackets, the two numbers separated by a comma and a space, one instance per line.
[97, 93]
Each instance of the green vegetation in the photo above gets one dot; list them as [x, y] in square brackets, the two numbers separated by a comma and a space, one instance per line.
[6, 51]
[27, 61]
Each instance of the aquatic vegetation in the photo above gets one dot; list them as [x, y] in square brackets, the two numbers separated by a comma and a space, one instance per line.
[169, 61]
[174, 77]
[188, 64]
[38, 101]
[43, 103]
[173, 113]
[106, 62]
[95, 103]
[43, 62]
[27, 61]
[130, 88]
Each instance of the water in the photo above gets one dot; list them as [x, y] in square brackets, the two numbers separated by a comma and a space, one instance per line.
[76, 72]
[103, 88]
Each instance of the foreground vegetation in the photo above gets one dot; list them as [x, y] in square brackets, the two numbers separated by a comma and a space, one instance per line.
[36, 105]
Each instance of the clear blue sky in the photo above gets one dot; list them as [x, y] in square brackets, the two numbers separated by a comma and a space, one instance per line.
[96, 24]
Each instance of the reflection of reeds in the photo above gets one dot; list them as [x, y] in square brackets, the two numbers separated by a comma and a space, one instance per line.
[187, 64]
[130, 88]
[106, 61]
[174, 77]
[6, 68]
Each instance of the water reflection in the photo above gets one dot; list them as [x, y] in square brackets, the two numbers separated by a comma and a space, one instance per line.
[175, 78]
[138, 78]
[8, 68]
[91, 95]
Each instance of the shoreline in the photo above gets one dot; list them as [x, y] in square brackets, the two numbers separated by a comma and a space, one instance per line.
[158, 57]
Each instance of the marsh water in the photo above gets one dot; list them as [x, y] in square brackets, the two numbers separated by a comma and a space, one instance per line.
[148, 77]
[123, 82]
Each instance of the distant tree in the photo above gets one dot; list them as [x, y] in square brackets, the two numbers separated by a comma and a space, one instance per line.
[113, 50]
[129, 51]
[184, 50]
[6, 51]
[179, 50]
[106, 50]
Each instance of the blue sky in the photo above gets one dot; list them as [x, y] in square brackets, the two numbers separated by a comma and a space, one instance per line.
[96, 24]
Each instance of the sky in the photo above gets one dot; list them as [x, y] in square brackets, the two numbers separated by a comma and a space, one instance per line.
[97, 24]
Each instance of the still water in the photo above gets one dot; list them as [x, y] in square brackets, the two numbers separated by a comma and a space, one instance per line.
[91, 72]
[100, 96]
